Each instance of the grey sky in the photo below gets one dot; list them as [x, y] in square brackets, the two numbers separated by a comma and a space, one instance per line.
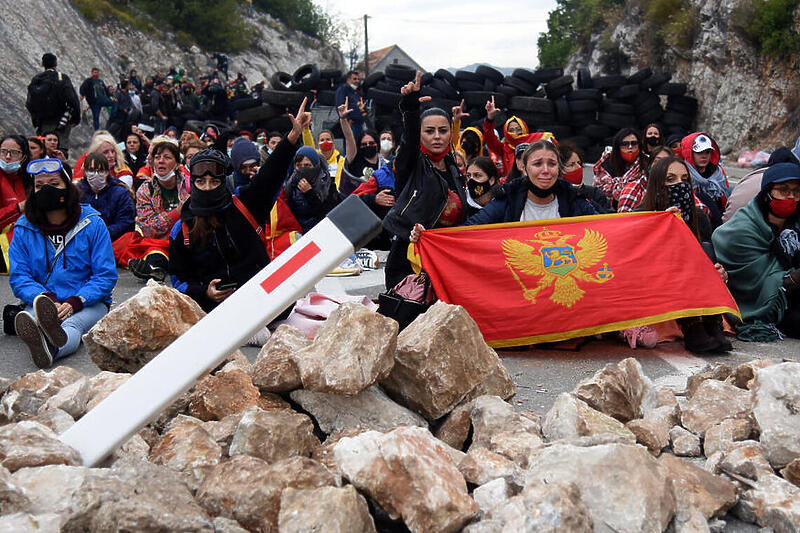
[453, 34]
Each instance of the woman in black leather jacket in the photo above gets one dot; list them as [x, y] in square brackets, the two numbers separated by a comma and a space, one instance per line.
[430, 189]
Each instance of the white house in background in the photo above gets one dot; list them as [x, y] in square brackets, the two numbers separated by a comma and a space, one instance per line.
[391, 55]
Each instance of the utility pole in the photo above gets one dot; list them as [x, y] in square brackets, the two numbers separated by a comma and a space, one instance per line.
[366, 48]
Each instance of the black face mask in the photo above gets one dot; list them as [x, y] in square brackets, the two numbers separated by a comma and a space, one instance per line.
[477, 188]
[469, 147]
[682, 197]
[50, 198]
[208, 203]
[307, 173]
[369, 151]
[541, 193]
[653, 141]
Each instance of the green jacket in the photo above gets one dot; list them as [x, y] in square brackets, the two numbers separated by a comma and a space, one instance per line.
[743, 245]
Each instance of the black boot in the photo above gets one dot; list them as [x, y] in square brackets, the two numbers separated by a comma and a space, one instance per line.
[713, 325]
[695, 337]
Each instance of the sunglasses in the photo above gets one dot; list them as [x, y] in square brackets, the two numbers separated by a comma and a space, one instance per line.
[213, 168]
[44, 166]
[629, 144]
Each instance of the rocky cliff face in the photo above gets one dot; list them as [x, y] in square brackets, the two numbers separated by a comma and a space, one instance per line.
[745, 99]
[33, 27]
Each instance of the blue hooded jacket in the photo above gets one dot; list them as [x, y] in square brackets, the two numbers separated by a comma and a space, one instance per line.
[83, 267]
[115, 205]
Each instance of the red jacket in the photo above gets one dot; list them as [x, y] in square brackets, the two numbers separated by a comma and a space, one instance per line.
[12, 192]
[505, 148]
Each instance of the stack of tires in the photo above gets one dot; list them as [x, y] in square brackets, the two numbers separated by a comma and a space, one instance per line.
[586, 110]
[602, 105]
[285, 94]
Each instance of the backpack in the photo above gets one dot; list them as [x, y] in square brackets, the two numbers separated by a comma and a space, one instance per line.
[43, 95]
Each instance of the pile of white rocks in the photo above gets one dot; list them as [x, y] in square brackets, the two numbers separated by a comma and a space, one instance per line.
[364, 430]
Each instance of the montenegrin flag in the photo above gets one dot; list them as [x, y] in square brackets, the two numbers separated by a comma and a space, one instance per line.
[551, 280]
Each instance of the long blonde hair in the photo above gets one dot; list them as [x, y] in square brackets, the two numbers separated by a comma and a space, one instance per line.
[97, 141]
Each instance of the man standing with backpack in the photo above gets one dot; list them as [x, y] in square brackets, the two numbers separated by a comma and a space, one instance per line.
[94, 91]
[53, 102]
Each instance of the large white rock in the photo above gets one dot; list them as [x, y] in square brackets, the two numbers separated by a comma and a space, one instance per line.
[571, 418]
[411, 475]
[370, 408]
[624, 487]
[776, 395]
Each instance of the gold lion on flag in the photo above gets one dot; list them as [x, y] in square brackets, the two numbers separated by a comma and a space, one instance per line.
[554, 261]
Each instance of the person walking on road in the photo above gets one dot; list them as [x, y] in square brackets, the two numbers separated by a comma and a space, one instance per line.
[52, 101]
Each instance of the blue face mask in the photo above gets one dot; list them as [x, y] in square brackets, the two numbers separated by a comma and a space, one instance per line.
[10, 168]
[229, 152]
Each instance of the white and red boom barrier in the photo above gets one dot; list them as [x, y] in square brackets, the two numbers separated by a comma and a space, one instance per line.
[160, 382]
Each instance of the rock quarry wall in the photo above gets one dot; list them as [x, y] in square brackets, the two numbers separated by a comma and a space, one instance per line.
[33, 27]
[745, 99]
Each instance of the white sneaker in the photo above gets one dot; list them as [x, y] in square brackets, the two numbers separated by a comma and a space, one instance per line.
[367, 259]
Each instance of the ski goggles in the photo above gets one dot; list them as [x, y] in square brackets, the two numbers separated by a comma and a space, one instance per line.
[44, 166]
[202, 168]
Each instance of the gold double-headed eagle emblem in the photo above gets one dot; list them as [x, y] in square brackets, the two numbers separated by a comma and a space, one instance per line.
[551, 258]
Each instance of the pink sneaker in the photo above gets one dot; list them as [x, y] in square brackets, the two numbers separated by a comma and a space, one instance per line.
[640, 337]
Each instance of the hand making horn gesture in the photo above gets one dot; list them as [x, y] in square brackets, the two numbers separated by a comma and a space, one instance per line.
[299, 122]
[414, 86]
[491, 110]
[344, 109]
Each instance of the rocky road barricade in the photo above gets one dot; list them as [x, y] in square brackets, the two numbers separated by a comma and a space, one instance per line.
[421, 440]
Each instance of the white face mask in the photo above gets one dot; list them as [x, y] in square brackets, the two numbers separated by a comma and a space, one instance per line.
[162, 179]
[386, 146]
[97, 180]
[353, 86]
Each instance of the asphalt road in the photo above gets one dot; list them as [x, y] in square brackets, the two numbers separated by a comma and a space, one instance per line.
[540, 374]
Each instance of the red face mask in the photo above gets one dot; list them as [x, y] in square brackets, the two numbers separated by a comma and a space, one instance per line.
[782, 208]
[677, 152]
[575, 177]
[326, 146]
[630, 157]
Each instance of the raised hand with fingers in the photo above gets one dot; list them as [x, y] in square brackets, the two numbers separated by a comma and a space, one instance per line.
[491, 110]
[414, 87]
[344, 109]
[299, 122]
[458, 111]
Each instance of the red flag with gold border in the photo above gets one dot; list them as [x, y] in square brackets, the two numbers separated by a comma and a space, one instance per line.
[551, 280]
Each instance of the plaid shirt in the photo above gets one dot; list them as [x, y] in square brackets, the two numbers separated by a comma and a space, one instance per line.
[633, 193]
[612, 185]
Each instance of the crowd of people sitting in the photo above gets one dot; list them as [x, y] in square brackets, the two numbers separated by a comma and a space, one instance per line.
[210, 210]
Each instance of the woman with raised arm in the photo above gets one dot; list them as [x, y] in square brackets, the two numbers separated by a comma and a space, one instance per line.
[216, 246]
[361, 154]
[430, 190]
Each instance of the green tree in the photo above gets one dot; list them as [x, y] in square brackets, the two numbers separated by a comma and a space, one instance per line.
[569, 27]
[217, 25]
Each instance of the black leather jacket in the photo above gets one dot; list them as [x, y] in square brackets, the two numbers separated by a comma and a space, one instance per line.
[421, 190]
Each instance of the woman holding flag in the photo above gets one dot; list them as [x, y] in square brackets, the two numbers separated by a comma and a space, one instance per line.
[430, 190]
